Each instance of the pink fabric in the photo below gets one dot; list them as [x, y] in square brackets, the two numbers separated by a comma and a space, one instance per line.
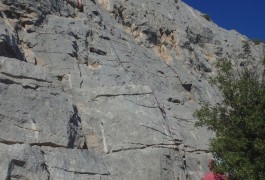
[212, 176]
[208, 176]
[80, 3]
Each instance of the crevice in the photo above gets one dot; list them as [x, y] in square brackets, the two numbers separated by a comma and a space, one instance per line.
[152, 37]
[198, 151]
[9, 82]
[173, 100]
[85, 146]
[49, 144]
[183, 119]
[161, 72]
[152, 107]
[9, 46]
[25, 77]
[55, 94]
[187, 86]
[60, 77]
[114, 49]
[6, 50]
[114, 95]
[80, 74]
[6, 142]
[144, 146]
[155, 130]
[30, 87]
[97, 51]
[104, 37]
[168, 129]
[80, 172]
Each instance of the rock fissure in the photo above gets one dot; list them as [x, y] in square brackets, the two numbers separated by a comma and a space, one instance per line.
[163, 112]
[155, 130]
[44, 144]
[48, 144]
[80, 74]
[8, 82]
[118, 58]
[144, 146]
[183, 119]
[141, 104]
[197, 151]
[47, 170]
[25, 77]
[115, 95]
[82, 172]
[7, 142]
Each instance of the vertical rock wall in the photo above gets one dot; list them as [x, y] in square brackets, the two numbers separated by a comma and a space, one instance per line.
[107, 91]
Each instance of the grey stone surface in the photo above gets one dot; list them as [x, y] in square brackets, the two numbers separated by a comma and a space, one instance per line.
[108, 92]
[74, 164]
[123, 119]
[32, 110]
[22, 162]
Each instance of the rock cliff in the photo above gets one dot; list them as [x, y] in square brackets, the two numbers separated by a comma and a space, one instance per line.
[107, 91]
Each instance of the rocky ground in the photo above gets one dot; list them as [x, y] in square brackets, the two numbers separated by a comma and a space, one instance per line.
[108, 92]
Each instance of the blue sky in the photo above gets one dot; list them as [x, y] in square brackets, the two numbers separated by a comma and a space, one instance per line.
[245, 16]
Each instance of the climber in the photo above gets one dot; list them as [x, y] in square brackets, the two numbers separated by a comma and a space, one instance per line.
[211, 175]
[80, 5]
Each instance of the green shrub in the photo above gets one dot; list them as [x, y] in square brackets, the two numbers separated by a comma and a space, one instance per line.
[207, 17]
[257, 41]
[238, 121]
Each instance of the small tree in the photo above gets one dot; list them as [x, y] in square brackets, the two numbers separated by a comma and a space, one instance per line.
[207, 17]
[238, 121]
[257, 41]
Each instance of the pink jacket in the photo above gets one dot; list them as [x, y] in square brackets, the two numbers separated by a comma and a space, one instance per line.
[212, 176]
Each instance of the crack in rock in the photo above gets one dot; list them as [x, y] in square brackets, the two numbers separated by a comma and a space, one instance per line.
[25, 77]
[114, 95]
[47, 144]
[144, 146]
[152, 107]
[80, 172]
[154, 130]
[9, 82]
[6, 142]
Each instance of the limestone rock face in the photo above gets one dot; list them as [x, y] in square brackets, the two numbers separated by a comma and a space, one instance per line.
[107, 91]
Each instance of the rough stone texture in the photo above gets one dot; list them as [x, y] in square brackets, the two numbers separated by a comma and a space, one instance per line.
[22, 162]
[109, 92]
